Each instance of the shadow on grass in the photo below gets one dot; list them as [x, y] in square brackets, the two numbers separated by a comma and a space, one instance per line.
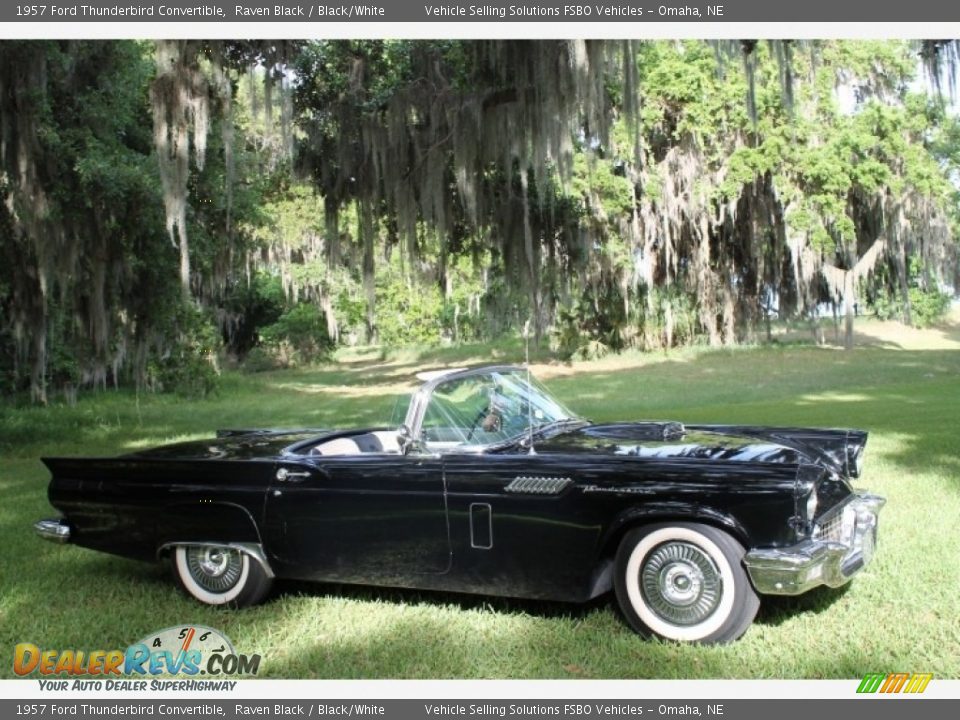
[413, 644]
[462, 601]
[775, 610]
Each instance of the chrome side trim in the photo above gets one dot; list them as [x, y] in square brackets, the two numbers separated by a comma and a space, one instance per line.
[53, 529]
[819, 560]
[538, 485]
[254, 550]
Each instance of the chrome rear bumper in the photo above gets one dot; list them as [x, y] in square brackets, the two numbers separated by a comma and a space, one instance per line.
[841, 545]
[54, 530]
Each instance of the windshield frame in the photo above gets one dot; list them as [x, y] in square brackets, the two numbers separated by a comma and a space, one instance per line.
[420, 402]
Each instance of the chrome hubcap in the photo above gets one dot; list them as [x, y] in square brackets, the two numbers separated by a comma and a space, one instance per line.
[215, 569]
[680, 583]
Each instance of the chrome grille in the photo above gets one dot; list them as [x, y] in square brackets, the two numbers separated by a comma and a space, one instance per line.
[831, 528]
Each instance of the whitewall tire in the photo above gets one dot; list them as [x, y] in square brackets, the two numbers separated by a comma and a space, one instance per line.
[219, 575]
[685, 582]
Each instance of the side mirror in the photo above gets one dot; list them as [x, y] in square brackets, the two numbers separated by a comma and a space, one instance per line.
[404, 439]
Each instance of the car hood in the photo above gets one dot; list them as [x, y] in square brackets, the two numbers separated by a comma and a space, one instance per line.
[666, 440]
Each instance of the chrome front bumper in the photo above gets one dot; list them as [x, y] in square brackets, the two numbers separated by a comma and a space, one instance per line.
[55, 530]
[841, 545]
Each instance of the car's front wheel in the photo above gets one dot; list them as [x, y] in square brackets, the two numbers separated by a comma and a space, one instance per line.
[684, 581]
[220, 575]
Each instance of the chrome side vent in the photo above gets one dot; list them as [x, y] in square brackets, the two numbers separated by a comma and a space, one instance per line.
[538, 485]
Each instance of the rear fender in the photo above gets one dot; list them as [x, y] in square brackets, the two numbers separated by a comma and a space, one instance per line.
[204, 521]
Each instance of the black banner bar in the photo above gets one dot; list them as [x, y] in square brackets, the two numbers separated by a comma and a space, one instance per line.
[420, 11]
[876, 708]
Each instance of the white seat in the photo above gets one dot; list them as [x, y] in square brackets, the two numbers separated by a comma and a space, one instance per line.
[387, 439]
[338, 446]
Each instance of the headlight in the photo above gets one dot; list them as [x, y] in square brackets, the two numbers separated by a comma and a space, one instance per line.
[812, 503]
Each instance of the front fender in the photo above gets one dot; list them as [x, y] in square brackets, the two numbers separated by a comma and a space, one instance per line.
[669, 510]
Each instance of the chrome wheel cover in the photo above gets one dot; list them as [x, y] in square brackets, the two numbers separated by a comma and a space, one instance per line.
[681, 583]
[215, 569]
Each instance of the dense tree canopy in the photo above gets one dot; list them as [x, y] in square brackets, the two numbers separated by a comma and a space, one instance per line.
[170, 203]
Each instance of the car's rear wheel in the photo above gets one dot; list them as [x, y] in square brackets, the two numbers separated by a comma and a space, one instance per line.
[684, 581]
[220, 575]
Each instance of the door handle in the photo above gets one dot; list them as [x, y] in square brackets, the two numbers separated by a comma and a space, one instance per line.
[284, 475]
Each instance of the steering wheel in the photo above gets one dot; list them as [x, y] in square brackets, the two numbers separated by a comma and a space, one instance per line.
[490, 420]
[477, 421]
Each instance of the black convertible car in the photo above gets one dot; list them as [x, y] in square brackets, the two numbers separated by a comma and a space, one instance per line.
[492, 486]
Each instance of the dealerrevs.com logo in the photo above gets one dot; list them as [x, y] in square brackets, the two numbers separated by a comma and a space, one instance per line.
[183, 650]
[894, 682]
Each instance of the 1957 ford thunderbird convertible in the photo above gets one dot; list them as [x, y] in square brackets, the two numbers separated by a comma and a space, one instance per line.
[492, 486]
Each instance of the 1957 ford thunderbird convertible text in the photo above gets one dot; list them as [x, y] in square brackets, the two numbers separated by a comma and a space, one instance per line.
[492, 486]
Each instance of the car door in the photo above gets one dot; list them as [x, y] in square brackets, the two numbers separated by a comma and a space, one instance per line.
[359, 518]
[518, 524]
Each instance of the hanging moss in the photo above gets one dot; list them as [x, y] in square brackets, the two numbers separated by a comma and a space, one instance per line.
[625, 175]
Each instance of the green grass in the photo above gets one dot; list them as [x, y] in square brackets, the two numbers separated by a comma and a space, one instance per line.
[903, 613]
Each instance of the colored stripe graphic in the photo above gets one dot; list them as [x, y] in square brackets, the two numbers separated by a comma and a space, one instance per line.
[871, 682]
[894, 682]
[918, 683]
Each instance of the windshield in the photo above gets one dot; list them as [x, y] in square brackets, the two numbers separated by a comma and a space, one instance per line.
[487, 408]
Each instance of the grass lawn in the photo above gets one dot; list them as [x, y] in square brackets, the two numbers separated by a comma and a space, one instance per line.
[902, 613]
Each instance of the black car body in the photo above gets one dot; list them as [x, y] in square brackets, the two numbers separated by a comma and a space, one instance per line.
[492, 487]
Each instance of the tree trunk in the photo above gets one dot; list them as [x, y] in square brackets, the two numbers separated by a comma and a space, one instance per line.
[815, 329]
[902, 271]
[369, 280]
[848, 309]
[184, 256]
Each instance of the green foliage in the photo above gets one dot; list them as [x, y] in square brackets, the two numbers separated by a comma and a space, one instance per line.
[350, 306]
[590, 327]
[189, 368]
[685, 94]
[291, 216]
[408, 312]
[927, 307]
[945, 148]
[601, 190]
[298, 337]
[928, 304]
[269, 262]
[668, 318]
[250, 307]
[183, 372]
